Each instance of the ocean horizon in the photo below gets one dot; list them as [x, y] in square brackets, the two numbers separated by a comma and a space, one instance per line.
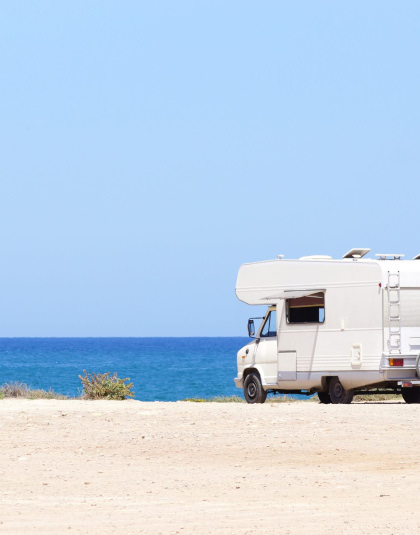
[160, 368]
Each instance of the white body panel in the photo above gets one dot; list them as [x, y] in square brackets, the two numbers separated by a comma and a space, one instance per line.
[352, 340]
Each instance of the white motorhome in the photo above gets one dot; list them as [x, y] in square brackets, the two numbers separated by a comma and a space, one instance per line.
[335, 327]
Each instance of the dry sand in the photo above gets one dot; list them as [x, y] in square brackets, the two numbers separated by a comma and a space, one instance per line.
[132, 467]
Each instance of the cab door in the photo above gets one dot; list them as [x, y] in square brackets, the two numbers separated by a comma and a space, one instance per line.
[266, 347]
[286, 360]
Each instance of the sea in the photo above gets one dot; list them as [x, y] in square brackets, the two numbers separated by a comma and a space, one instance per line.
[161, 369]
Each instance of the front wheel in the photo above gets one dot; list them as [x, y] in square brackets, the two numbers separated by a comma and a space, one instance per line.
[253, 389]
[338, 393]
[411, 394]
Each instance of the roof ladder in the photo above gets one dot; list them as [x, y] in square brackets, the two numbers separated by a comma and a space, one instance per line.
[394, 317]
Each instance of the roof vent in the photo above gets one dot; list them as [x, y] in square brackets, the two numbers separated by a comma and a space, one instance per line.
[389, 256]
[316, 257]
[356, 253]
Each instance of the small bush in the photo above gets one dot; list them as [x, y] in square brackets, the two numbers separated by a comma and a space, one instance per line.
[105, 386]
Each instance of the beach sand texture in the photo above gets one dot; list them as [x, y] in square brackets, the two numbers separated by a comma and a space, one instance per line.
[133, 467]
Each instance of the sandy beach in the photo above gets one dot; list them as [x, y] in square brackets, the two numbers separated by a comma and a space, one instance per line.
[133, 467]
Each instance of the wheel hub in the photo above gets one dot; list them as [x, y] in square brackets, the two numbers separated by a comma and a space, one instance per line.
[252, 390]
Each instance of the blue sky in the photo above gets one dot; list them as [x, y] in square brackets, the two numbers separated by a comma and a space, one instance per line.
[150, 148]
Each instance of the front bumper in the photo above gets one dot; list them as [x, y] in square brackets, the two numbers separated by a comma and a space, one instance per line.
[239, 382]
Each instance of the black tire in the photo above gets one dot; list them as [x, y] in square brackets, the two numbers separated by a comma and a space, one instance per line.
[253, 389]
[338, 394]
[411, 394]
[324, 397]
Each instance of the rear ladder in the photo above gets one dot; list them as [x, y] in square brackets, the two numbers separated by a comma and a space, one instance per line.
[394, 317]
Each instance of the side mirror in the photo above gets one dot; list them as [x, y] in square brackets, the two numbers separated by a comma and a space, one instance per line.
[251, 328]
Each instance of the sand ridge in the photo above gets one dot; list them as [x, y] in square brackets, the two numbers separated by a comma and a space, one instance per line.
[135, 467]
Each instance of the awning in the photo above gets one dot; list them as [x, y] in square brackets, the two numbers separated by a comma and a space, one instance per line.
[292, 294]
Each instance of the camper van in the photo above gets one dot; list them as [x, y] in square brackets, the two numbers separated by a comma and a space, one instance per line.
[335, 327]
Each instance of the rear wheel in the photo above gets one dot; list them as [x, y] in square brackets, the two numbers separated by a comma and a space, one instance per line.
[338, 393]
[411, 394]
[324, 397]
[253, 390]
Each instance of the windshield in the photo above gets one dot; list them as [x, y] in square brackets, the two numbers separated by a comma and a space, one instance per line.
[269, 327]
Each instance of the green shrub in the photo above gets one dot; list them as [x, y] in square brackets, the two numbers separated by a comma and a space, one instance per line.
[105, 386]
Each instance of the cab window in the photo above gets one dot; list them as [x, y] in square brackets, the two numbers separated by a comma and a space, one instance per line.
[269, 327]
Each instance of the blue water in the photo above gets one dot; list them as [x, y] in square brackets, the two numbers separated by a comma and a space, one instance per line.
[161, 369]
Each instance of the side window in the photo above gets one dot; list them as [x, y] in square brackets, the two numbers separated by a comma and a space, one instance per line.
[309, 309]
[269, 327]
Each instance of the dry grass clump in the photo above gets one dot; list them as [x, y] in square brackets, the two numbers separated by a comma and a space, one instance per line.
[216, 399]
[15, 390]
[376, 397]
[238, 399]
[288, 399]
[105, 386]
[45, 394]
[22, 390]
[284, 398]
[227, 399]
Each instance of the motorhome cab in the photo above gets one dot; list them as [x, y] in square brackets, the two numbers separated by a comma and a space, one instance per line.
[335, 327]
